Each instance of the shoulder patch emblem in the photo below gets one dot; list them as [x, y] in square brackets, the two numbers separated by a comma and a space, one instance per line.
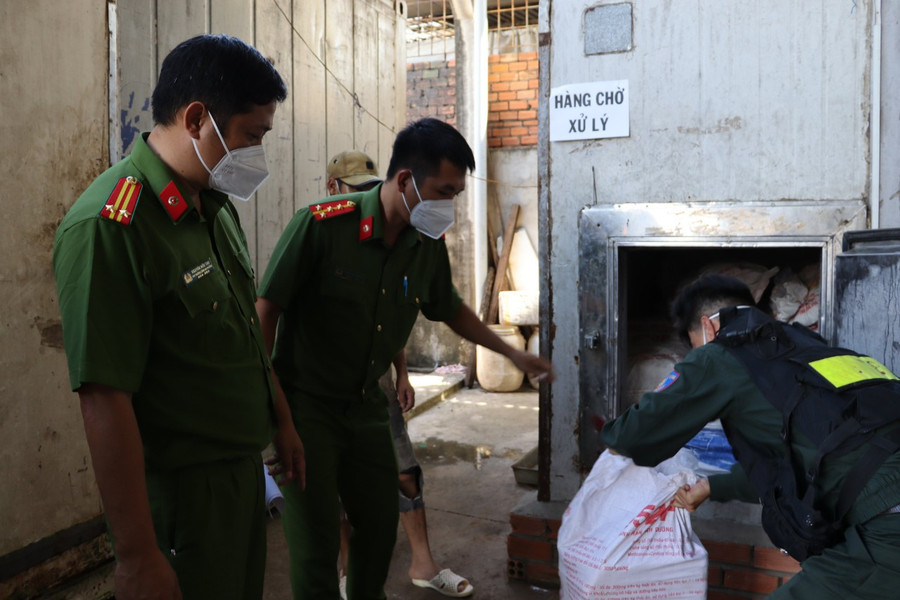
[668, 381]
[326, 210]
[122, 202]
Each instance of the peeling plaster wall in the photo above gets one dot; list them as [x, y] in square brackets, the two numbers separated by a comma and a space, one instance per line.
[53, 140]
[729, 101]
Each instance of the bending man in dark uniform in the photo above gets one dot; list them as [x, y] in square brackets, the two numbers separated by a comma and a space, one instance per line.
[157, 297]
[347, 280]
[711, 383]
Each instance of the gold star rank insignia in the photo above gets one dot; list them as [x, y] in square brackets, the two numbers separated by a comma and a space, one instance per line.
[327, 210]
[120, 205]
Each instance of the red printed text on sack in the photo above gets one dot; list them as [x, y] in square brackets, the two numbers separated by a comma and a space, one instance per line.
[652, 513]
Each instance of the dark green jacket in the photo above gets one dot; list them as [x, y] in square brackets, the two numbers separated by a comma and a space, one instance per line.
[711, 384]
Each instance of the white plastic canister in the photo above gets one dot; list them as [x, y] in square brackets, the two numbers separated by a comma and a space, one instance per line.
[534, 347]
[495, 372]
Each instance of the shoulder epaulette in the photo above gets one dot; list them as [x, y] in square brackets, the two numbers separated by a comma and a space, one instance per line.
[122, 202]
[326, 210]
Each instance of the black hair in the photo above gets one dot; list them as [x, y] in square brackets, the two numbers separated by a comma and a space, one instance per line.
[422, 145]
[707, 296]
[226, 74]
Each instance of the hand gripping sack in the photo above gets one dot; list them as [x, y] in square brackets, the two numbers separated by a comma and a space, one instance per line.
[621, 537]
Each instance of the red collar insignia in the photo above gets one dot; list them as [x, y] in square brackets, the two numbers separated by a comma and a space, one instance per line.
[366, 229]
[173, 201]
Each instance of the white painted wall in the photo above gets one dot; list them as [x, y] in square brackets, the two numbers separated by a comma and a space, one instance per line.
[730, 100]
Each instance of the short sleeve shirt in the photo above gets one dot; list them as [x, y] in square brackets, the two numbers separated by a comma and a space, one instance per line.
[157, 299]
[350, 301]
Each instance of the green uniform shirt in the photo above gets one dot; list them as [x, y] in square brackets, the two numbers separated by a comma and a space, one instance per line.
[349, 301]
[158, 300]
[711, 384]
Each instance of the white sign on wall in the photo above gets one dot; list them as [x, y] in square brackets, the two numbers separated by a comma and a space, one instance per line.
[588, 111]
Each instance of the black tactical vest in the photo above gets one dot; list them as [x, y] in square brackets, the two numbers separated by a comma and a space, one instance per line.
[837, 398]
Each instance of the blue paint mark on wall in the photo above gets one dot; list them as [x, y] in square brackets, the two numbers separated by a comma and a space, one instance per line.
[130, 124]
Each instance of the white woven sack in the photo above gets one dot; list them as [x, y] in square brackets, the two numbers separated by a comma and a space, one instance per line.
[622, 539]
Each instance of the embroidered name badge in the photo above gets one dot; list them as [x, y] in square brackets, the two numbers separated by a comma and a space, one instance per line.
[195, 274]
[668, 381]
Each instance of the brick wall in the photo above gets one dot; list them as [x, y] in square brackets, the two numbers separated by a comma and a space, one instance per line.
[431, 90]
[512, 96]
[736, 571]
[512, 99]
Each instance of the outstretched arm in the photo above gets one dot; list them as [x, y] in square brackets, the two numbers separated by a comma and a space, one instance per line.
[467, 324]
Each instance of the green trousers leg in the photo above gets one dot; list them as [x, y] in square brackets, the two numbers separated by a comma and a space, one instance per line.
[210, 521]
[349, 455]
[865, 565]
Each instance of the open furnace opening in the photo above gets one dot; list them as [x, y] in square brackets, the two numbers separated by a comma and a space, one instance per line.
[787, 280]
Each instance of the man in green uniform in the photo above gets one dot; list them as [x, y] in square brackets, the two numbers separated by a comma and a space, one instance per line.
[711, 383]
[350, 172]
[157, 295]
[347, 280]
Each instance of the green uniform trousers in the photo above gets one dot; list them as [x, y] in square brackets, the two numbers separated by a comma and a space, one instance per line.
[210, 521]
[865, 565]
[349, 456]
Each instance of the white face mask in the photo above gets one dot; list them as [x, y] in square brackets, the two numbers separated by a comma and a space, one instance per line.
[240, 172]
[716, 316]
[703, 329]
[431, 217]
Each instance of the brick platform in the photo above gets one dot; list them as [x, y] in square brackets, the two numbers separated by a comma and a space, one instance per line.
[736, 571]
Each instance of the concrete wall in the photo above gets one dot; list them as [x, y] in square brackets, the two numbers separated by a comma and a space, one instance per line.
[513, 180]
[512, 161]
[728, 101]
[889, 174]
[61, 126]
[53, 142]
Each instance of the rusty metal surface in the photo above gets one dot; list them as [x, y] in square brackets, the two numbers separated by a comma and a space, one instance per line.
[606, 230]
